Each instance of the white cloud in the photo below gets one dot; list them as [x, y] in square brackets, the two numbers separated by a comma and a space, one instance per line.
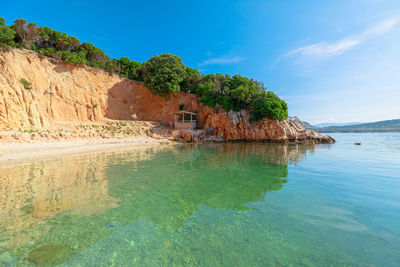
[326, 49]
[221, 61]
[323, 50]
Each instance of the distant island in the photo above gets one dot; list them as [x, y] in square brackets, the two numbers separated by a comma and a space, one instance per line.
[328, 124]
[387, 126]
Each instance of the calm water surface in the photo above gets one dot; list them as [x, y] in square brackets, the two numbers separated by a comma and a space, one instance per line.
[208, 205]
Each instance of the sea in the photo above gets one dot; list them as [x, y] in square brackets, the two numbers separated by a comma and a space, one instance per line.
[227, 204]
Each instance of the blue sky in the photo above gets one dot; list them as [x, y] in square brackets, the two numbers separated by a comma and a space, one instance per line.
[332, 61]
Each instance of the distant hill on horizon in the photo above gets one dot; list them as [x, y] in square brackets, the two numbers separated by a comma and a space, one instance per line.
[327, 124]
[373, 127]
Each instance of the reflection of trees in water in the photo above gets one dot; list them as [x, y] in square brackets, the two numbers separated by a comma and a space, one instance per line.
[220, 176]
[164, 188]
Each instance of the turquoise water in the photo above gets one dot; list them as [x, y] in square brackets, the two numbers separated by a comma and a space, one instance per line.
[208, 205]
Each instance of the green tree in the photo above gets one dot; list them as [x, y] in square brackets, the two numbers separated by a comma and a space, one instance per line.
[129, 68]
[191, 80]
[268, 104]
[241, 90]
[164, 73]
[32, 34]
[19, 28]
[7, 34]
[95, 56]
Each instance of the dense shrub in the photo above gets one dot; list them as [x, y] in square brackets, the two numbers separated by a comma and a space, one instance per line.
[237, 93]
[164, 73]
[268, 104]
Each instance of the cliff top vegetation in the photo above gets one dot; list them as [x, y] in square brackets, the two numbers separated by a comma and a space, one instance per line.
[162, 74]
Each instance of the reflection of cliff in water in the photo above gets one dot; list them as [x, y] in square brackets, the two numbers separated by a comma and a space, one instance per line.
[82, 197]
[222, 176]
[37, 192]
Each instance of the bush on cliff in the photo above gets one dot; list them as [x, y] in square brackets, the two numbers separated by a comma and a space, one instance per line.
[164, 73]
[27, 85]
[268, 104]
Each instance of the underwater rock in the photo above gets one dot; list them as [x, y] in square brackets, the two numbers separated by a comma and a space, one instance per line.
[49, 254]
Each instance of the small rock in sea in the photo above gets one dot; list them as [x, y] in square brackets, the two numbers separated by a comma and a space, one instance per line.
[357, 144]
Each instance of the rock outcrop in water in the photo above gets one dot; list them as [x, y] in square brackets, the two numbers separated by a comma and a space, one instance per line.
[236, 126]
[63, 92]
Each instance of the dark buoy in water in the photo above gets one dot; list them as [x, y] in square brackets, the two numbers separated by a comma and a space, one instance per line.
[357, 144]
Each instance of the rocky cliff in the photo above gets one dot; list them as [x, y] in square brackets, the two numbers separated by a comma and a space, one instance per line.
[63, 92]
[236, 126]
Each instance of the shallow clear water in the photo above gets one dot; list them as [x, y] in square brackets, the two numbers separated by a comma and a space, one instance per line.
[208, 205]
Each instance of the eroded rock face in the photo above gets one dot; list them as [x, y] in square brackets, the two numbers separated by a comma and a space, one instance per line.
[63, 92]
[237, 126]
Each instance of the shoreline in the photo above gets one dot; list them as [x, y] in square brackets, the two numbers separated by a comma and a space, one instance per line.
[14, 154]
[66, 138]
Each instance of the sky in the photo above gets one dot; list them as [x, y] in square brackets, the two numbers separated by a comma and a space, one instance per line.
[331, 61]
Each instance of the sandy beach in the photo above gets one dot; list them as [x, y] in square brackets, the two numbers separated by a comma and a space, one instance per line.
[13, 154]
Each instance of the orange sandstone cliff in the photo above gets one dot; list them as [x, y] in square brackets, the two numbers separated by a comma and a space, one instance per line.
[63, 92]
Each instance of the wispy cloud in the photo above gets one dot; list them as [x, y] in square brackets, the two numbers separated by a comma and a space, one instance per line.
[221, 61]
[324, 50]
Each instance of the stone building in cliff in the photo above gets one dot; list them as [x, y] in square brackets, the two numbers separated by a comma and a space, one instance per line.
[185, 120]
